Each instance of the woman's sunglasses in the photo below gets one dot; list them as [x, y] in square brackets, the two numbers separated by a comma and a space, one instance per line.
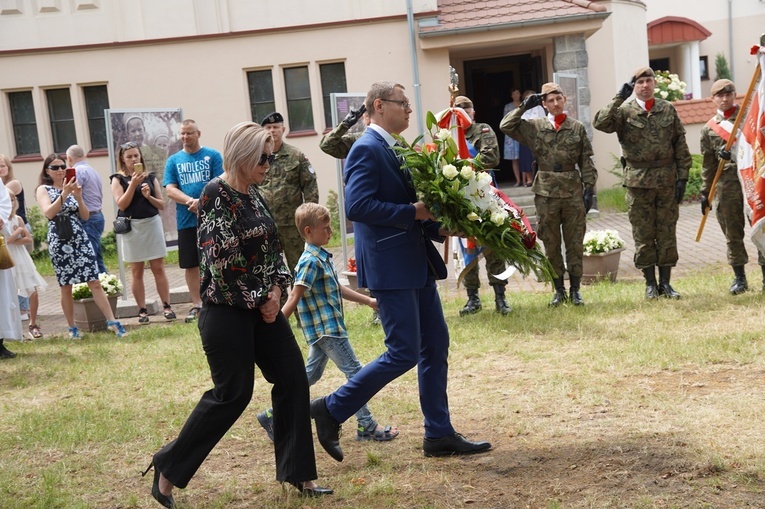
[265, 157]
[57, 167]
[130, 144]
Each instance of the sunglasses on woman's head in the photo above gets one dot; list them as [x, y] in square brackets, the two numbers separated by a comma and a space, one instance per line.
[57, 167]
[265, 157]
[130, 144]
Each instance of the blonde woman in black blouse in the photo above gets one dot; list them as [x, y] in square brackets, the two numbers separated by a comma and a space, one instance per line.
[243, 278]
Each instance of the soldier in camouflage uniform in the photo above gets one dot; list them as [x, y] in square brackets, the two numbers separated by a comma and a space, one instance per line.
[656, 161]
[338, 142]
[564, 183]
[728, 198]
[290, 182]
[483, 139]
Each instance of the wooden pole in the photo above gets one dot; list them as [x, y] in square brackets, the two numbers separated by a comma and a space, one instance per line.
[721, 165]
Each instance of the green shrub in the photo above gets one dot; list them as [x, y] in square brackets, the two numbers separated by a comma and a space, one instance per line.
[609, 199]
[39, 224]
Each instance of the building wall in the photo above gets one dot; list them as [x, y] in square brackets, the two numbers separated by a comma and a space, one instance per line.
[207, 79]
[748, 20]
[615, 51]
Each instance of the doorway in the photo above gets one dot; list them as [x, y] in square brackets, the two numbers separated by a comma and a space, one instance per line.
[489, 82]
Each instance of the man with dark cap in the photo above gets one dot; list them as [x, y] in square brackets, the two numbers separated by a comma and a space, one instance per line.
[656, 161]
[564, 185]
[290, 182]
[484, 142]
[728, 198]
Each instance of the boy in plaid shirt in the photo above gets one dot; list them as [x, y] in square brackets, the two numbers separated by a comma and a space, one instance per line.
[318, 299]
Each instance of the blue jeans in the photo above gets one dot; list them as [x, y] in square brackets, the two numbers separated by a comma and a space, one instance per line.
[94, 227]
[342, 354]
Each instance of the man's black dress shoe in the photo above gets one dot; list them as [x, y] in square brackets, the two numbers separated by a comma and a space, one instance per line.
[318, 491]
[327, 429]
[451, 445]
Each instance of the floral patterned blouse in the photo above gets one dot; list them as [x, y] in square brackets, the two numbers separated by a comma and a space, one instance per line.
[240, 254]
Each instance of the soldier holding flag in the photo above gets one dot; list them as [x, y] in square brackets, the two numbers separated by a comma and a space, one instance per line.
[728, 197]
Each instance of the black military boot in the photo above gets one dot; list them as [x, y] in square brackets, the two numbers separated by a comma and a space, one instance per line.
[574, 296]
[560, 293]
[473, 305]
[4, 352]
[651, 289]
[665, 289]
[739, 282]
[500, 304]
[762, 267]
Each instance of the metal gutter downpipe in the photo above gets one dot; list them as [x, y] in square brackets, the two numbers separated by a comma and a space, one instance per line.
[415, 69]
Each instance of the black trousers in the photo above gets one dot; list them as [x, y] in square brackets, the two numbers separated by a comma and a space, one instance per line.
[235, 340]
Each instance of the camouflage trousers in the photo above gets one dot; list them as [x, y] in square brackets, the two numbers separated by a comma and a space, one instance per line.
[566, 214]
[653, 214]
[729, 204]
[293, 245]
[494, 265]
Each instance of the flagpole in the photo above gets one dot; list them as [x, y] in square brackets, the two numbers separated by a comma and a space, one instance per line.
[729, 144]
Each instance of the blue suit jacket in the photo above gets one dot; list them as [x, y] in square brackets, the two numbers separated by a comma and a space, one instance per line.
[393, 250]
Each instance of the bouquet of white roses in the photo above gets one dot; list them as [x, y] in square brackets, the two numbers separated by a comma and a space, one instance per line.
[109, 282]
[602, 241]
[460, 195]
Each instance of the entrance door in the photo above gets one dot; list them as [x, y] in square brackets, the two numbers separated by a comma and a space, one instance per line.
[489, 82]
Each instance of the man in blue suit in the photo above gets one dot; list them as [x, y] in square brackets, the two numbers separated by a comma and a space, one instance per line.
[397, 261]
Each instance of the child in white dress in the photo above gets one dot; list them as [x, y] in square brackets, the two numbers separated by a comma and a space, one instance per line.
[28, 280]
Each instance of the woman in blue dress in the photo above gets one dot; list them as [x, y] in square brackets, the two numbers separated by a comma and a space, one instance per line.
[71, 253]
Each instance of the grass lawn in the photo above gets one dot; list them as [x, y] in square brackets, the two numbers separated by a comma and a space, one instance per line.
[623, 403]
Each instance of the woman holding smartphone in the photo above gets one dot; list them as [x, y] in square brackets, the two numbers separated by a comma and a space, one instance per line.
[71, 252]
[139, 198]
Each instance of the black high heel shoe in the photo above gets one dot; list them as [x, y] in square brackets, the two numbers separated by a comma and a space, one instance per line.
[164, 500]
[318, 491]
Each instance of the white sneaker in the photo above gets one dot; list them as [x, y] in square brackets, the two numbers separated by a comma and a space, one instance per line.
[24, 317]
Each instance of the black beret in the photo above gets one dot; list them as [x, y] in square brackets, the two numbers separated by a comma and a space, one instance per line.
[272, 118]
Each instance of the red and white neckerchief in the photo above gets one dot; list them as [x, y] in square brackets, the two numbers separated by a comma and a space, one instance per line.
[557, 120]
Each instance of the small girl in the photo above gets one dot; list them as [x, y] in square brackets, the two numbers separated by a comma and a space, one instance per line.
[28, 280]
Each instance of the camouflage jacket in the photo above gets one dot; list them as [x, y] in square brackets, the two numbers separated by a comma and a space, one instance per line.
[485, 142]
[290, 182]
[568, 145]
[337, 143]
[647, 138]
[710, 144]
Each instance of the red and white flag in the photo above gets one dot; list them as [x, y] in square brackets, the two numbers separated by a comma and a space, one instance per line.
[750, 157]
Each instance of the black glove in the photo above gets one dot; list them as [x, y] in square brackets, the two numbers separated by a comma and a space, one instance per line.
[704, 203]
[589, 194]
[626, 90]
[532, 100]
[723, 154]
[353, 116]
[680, 190]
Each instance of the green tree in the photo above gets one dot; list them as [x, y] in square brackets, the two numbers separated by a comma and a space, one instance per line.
[721, 67]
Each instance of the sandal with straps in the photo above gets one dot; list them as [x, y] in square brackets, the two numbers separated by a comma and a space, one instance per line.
[35, 332]
[168, 313]
[143, 316]
[378, 435]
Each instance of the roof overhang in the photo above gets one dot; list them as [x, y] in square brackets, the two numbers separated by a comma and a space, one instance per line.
[516, 31]
[674, 30]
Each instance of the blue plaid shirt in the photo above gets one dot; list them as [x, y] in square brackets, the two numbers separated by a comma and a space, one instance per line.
[321, 308]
